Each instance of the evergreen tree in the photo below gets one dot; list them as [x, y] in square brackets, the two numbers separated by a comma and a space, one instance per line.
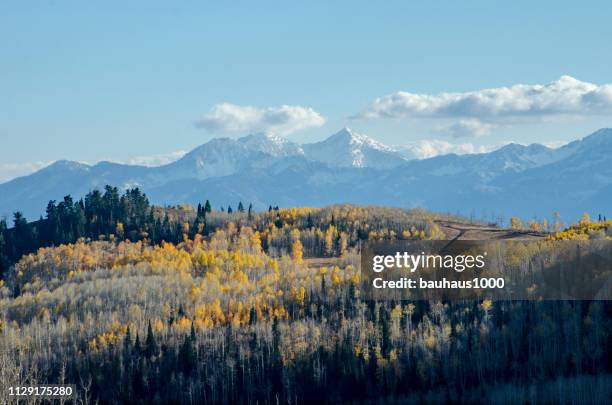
[252, 316]
[385, 330]
[3, 248]
[127, 342]
[137, 347]
[186, 356]
[150, 344]
[22, 235]
[192, 332]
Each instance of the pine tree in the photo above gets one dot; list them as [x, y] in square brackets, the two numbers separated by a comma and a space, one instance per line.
[309, 222]
[192, 333]
[150, 345]
[127, 342]
[137, 347]
[22, 235]
[252, 316]
[3, 248]
[240, 207]
[323, 286]
[186, 356]
[385, 330]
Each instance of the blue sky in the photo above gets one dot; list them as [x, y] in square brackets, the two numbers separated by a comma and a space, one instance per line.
[128, 82]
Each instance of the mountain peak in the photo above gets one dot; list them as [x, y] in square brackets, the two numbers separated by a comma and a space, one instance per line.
[356, 139]
[344, 135]
[345, 132]
[67, 164]
[261, 136]
[347, 148]
[519, 148]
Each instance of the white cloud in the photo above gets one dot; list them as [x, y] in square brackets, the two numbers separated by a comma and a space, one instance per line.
[285, 119]
[155, 160]
[566, 96]
[469, 128]
[555, 144]
[434, 147]
[9, 171]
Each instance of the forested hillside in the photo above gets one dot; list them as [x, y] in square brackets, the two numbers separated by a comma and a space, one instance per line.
[130, 216]
[137, 303]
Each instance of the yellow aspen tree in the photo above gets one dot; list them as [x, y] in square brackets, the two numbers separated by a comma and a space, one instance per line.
[534, 225]
[329, 240]
[516, 223]
[343, 243]
[297, 251]
[585, 219]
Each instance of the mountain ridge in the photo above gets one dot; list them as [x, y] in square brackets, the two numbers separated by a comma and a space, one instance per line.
[346, 167]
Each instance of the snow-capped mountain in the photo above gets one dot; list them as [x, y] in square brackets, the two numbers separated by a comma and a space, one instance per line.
[225, 156]
[273, 145]
[511, 158]
[347, 167]
[350, 149]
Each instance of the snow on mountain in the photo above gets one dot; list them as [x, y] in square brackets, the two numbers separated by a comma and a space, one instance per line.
[350, 149]
[511, 158]
[271, 144]
[217, 157]
[516, 157]
[225, 156]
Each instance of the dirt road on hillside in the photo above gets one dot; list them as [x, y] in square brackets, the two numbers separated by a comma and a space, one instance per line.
[453, 231]
[463, 231]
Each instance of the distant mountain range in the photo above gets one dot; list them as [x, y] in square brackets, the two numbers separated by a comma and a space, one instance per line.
[348, 167]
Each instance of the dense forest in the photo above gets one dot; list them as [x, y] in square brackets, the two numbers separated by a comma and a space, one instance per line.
[143, 304]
